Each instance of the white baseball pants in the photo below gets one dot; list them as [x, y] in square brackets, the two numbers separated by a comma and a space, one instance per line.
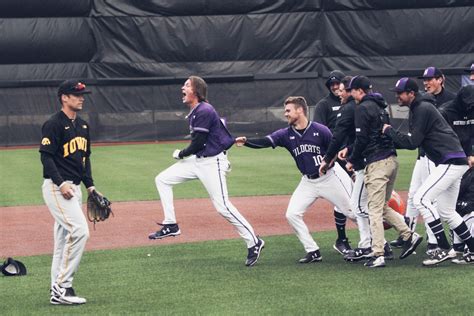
[211, 171]
[334, 188]
[70, 232]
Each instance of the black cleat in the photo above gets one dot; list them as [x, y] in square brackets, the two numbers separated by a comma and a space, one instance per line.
[312, 256]
[397, 243]
[387, 252]
[439, 255]
[342, 246]
[254, 253]
[410, 245]
[358, 254]
[166, 231]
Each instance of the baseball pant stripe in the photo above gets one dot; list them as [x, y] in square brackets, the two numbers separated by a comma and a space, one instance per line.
[228, 209]
[431, 187]
[68, 242]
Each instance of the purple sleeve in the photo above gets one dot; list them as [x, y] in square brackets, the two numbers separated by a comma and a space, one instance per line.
[278, 138]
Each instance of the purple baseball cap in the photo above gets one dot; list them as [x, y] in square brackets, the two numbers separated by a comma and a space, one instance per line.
[471, 70]
[405, 84]
[431, 72]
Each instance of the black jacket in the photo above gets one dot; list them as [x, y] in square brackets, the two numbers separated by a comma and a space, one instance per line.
[326, 111]
[443, 97]
[370, 143]
[344, 133]
[460, 115]
[430, 131]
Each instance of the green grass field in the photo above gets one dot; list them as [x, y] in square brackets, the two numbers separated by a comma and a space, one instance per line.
[127, 173]
[209, 278]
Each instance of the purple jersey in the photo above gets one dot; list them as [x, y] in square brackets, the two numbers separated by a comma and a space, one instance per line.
[204, 119]
[308, 149]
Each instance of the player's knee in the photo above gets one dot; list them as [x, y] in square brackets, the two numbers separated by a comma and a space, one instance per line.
[82, 232]
[160, 180]
[291, 215]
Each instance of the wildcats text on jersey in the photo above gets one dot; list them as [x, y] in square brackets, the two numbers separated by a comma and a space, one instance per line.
[306, 148]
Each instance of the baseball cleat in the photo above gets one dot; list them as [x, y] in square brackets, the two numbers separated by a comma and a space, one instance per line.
[254, 253]
[468, 257]
[376, 262]
[439, 255]
[342, 246]
[65, 296]
[387, 252]
[167, 231]
[312, 256]
[410, 245]
[358, 254]
[397, 243]
[460, 257]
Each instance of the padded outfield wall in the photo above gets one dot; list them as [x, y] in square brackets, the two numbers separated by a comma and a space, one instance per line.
[135, 55]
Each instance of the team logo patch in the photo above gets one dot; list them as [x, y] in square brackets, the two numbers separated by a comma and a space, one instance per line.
[66, 127]
[45, 141]
[315, 134]
[84, 126]
[292, 137]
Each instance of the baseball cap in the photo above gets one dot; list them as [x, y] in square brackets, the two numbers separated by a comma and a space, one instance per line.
[72, 87]
[431, 72]
[470, 70]
[13, 267]
[360, 82]
[405, 84]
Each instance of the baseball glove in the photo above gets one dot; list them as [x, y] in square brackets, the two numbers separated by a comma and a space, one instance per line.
[98, 207]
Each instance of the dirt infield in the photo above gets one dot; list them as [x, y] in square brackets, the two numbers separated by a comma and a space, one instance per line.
[28, 230]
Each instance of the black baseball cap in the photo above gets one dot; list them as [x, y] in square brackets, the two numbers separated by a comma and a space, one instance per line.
[72, 87]
[431, 72]
[470, 70]
[405, 84]
[360, 82]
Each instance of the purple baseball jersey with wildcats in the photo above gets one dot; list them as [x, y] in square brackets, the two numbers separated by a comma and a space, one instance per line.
[204, 119]
[308, 149]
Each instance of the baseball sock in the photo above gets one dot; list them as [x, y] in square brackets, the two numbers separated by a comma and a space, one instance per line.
[438, 231]
[340, 220]
[463, 232]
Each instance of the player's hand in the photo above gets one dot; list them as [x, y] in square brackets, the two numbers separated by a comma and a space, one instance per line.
[176, 154]
[349, 167]
[342, 155]
[470, 161]
[240, 141]
[385, 126]
[323, 168]
[67, 190]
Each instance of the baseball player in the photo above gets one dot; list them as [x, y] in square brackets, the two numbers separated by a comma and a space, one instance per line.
[430, 131]
[65, 154]
[343, 136]
[380, 172]
[205, 159]
[326, 112]
[433, 81]
[459, 113]
[307, 143]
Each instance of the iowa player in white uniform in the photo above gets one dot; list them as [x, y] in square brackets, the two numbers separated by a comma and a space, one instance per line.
[65, 150]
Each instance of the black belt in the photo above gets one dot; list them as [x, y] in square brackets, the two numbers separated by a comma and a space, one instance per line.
[224, 152]
[312, 176]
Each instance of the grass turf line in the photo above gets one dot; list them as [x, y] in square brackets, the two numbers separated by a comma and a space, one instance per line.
[127, 173]
[210, 278]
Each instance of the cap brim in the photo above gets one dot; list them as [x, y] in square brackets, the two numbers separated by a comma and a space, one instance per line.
[82, 92]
